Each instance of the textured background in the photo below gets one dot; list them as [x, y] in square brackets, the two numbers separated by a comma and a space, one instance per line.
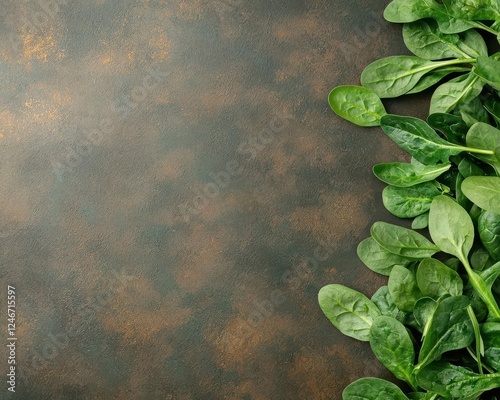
[175, 191]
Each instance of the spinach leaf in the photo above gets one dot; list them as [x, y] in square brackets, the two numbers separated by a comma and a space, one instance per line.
[406, 175]
[357, 104]
[486, 137]
[449, 329]
[492, 105]
[488, 227]
[452, 126]
[435, 279]
[372, 389]
[467, 168]
[377, 258]
[473, 10]
[433, 77]
[490, 332]
[402, 241]
[383, 300]
[450, 227]
[392, 345]
[459, 90]
[409, 202]
[351, 312]
[397, 75]
[403, 288]
[423, 311]
[420, 221]
[424, 39]
[472, 112]
[488, 70]
[419, 139]
[451, 381]
[483, 191]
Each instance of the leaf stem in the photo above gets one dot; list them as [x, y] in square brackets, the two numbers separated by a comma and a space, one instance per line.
[478, 338]
[473, 150]
[480, 25]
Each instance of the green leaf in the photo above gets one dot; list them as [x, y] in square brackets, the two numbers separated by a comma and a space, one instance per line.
[351, 312]
[424, 39]
[402, 241]
[486, 137]
[467, 168]
[433, 77]
[488, 70]
[423, 311]
[421, 221]
[451, 381]
[473, 10]
[459, 90]
[435, 279]
[357, 104]
[372, 389]
[490, 332]
[409, 202]
[452, 126]
[492, 105]
[406, 175]
[451, 227]
[489, 232]
[403, 288]
[392, 345]
[449, 329]
[377, 258]
[417, 138]
[483, 191]
[383, 300]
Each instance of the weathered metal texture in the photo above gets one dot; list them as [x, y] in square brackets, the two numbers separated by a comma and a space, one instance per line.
[175, 191]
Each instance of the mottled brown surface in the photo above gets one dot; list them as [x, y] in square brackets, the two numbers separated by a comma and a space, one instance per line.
[132, 286]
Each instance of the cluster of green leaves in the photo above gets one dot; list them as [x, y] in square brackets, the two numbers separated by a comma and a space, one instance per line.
[436, 324]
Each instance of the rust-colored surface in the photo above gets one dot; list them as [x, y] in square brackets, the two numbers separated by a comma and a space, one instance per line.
[175, 191]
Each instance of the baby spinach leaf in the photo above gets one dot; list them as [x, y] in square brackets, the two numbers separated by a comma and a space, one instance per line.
[472, 112]
[351, 312]
[492, 105]
[403, 288]
[480, 259]
[473, 10]
[452, 126]
[402, 241]
[396, 75]
[491, 274]
[483, 191]
[489, 231]
[450, 227]
[372, 389]
[484, 136]
[392, 345]
[419, 139]
[420, 221]
[409, 202]
[383, 300]
[467, 168]
[490, 332]
[406, 175]
[433, 77]
[435, 279]
[488, 70]
[451, 381]
[423, 311]
[449, 329]
[424, 39]
[459, 90]
[357, 104]
[377, 258]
